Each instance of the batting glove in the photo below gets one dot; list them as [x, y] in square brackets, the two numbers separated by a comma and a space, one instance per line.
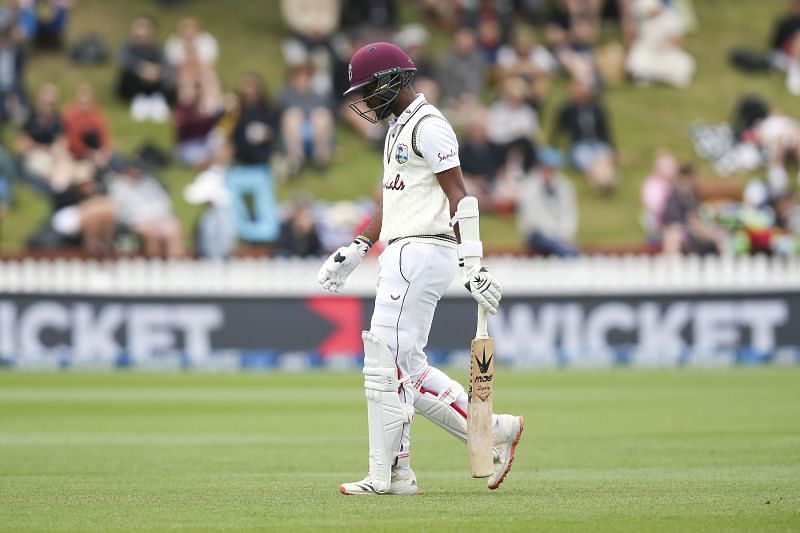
[483, 287]
[341, 264]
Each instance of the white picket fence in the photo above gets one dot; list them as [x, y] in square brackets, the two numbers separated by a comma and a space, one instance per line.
[297, 277]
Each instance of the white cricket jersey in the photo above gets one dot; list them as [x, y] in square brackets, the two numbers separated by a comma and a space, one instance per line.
[419, 144]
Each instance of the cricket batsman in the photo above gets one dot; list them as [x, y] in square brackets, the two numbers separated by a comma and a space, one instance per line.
[423, 212]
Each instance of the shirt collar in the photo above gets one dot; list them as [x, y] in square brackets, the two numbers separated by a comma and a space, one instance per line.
[406, 114]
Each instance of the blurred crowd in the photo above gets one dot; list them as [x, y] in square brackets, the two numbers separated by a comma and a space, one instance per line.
[493, 81]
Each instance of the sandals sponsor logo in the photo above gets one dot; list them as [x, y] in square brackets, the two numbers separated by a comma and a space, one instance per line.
[448, 155]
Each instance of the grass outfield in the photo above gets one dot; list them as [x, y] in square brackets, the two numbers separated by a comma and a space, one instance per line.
[621, 450]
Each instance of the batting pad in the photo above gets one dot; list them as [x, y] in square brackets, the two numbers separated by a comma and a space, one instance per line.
[386, 415]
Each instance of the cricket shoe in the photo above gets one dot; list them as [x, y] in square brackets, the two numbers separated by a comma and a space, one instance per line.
[509, 431]
[402, 485]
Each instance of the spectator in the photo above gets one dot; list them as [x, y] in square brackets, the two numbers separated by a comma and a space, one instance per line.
[413, 38]
[312, 24]
[13, 96]
[462, 70]
[586, 124]
[145, 207]
[86, 127]
[529, 61]
[215, 233]
[478, 160]
[250, 179]
[779, 137]
[570, 40]
[306, 122]
[377, 15]
[8, 180]
[547, 211]
[655, 193]
[192, 54]
[43, 145]
[82, 214]
[299, 236]
[254, 132]
[194, 146]
[656, 54]
[374, 134]
[685, 231]
[145, 77]
[787, 211]
[46, 21]
[490, 38]
[492, 21]
[785, 46]
[512, 124]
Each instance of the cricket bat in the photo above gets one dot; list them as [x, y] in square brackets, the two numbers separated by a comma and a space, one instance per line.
[481, 388]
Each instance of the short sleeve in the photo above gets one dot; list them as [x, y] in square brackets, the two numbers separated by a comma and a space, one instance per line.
[437, 143]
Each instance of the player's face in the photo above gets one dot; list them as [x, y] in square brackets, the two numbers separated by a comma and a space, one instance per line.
[368, 93]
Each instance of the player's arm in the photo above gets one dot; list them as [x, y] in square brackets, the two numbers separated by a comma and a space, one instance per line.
[452, 183]
[341, 263]
[481, 284]
[373, 229]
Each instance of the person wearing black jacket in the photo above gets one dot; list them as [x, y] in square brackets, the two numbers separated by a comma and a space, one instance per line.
[255, 129]
[585, 122]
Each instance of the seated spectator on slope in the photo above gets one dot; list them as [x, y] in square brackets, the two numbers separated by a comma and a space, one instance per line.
[547, 212]
[779, 136]
[374, 134]
[145, 207]
[478, 160]
[82, 214]
[685, 230]
[215, 232]
[491, 19]
[86, 126]
[655, 193]
[145, 78]
[255, 131]
[192, 54]
[299, 232]
[785, 46]
[529, 61]
[462, 71]
[250, 179]
[377, 16]
[46, 21]
[787, 211]
[194, 142]
[586, 124]
[656, 54]
[8, 180]
[13, 96]
[306, 122]
[312, 24]
[574, 51]
[42, 143]
[512, 124]
[413, 38]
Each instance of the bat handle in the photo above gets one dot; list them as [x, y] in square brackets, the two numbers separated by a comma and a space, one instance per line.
[482, 331]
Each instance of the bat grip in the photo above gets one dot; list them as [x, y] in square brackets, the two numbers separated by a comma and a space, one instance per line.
[482, 331]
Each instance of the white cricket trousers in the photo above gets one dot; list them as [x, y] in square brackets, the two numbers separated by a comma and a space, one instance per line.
[412, 277]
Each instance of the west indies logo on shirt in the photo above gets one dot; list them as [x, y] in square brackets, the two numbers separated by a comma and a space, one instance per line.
[402, 153]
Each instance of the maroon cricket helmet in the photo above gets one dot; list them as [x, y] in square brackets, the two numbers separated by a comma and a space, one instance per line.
[385, 66]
